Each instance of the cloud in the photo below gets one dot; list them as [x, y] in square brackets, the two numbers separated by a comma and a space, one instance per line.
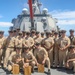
[64, 17]
[5, 24]
[66, 22]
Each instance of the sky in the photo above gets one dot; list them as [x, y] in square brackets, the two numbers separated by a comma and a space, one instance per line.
[63, 10]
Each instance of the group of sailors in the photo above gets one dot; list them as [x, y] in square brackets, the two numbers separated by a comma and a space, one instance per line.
[26, 48]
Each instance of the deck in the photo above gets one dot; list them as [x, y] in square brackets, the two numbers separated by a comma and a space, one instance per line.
[58, 71]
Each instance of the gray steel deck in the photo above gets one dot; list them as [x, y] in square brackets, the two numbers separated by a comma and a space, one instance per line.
[53, 72]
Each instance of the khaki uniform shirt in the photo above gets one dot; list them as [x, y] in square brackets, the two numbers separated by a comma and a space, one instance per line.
[63, 42]
[14, 56]
[28, 56]
[33, 37]
[28, 42]
[40, 54]
[70, 56]
[48, 42]
[18, 42]
[1, 42]
[3, 38]
[9, 42]
[39, 39]
[72, 40]
[56, 42]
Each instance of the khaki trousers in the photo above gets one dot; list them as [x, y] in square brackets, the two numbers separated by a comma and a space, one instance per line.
[7, 54]
[1, 50]
[56, 56]
[62, 57]
[50, 55]
[72, 65]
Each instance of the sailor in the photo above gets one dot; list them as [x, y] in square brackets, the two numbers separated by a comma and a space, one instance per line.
[60, 33]
[15, 58]
[2, 46]
[48, 43]
[56, 51]
[63, 44]
[14, 33]
[19, 40]
[2, 33]
[72, 37]
[42, 35]
[33, 32]
[53, 31]
[17, 31]
[24, 33]
[70, 59]
[41, 56]
[9, 43]
[29, 41]
[38, 37]
[28, 58]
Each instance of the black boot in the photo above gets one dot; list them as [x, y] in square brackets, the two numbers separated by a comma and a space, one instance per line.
[49, 73]
[32, 70]
[73, 73]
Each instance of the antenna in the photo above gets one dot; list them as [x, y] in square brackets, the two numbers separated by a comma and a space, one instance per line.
[36, 5]
[31, 14]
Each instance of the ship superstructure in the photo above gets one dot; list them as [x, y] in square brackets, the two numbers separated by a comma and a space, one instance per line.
[42, 20]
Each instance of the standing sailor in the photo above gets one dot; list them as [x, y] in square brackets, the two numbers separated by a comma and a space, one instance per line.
[9, 43]
[33, 34]
[42, 35]
[23, 34]
[17, 31]
[15, 58]
[48, 43]
[56, 51]
[38, 37]
[2, 39]
[63, 44]
[14, 33]
[19, 40]
[72, 37]
[28, 41]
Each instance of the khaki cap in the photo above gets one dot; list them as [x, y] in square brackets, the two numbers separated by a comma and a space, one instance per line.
[27, 33]
[25, 48]
[10, 31]
[23, 31]
[72, 46]
[71, 30]
[37, 43]
[20, 33]
[42, 33]
[63, 31]
[55, 32]
[37, 32]
[33, 31]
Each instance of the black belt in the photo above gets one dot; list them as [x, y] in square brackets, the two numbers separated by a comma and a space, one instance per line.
[10, 47]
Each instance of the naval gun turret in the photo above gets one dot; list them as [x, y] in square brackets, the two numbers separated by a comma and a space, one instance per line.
[35, 18]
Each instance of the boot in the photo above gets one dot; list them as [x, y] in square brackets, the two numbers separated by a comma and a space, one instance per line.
[49, 73]
[32, 69]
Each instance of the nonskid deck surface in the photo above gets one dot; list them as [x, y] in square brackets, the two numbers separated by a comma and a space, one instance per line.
[57, 71]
